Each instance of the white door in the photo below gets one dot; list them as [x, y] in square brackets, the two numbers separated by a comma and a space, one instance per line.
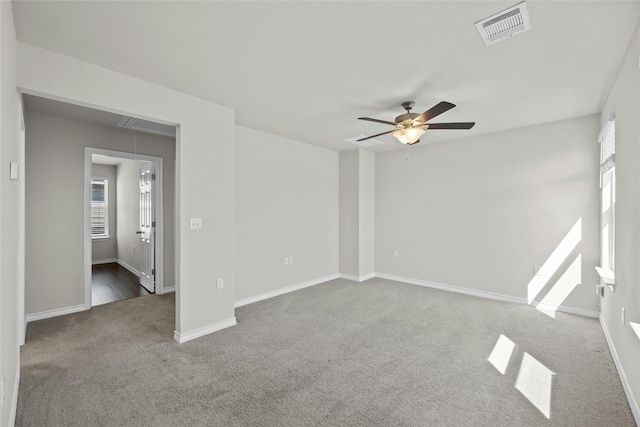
[147, 229]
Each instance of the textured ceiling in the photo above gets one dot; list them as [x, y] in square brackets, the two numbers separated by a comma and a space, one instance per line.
[306, 70]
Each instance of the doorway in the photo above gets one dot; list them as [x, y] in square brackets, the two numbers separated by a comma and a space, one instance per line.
[123, 243]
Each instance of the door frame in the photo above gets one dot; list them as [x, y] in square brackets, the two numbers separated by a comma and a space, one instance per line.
[158, 191]
[22, 319]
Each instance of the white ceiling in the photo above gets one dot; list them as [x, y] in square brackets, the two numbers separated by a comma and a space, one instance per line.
[307, 70]
[98, 159]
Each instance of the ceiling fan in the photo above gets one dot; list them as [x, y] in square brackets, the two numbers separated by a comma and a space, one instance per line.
[411, 126]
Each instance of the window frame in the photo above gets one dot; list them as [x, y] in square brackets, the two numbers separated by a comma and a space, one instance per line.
[105, 235]
[606, 138]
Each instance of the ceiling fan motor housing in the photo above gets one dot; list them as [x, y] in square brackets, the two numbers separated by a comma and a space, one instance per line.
[407, 117]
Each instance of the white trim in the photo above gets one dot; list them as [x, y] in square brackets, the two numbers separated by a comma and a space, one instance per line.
[357, 278]
[168, 289]
[490, 295]
[367, 277]
[57, 312]
[22, 322]
[205, 330]
[635, 409]
[128, 267]
[158, 166]
[285, 290]
[104, 261]
[14, 397]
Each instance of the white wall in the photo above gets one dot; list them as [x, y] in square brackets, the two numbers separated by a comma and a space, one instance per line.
[9, 152]
[107, 249]
[357, 214]
[128, 185]
[204, 153]
[55, 174]
[624, 100]
[366, 212]
[350, 213]
[286, 206]
[481, 212]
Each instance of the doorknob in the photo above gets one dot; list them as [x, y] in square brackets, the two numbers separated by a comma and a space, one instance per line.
[138, 232]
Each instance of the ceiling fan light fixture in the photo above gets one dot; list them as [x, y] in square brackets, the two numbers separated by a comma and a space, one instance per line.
[408, 135]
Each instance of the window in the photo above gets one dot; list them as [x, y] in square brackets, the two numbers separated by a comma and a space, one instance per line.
[99, 208]
[608, 193]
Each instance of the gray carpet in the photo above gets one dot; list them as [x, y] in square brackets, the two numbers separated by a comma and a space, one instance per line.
[377, 353]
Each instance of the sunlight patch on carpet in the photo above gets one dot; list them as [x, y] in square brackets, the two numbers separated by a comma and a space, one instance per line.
[534, 382]
[501, 353]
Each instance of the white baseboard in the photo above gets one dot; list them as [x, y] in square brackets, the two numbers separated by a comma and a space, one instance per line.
[128, 267]
[490, 295]
[57, 312]
[118, 261]
[168, 289]
[205, 330]
[357, 278]
[14, 397]
[286, 290]
[635, 409]
[104, 261]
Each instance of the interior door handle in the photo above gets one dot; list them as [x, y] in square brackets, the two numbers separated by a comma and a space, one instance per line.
[138, 232]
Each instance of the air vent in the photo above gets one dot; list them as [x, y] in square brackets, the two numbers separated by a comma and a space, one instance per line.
[504, 24]
[364, 144]
[146, 126]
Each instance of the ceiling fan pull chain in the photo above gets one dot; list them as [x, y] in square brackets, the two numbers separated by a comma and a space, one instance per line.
[408, 158]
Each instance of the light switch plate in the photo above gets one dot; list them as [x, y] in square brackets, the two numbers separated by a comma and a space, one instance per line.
[13, 167]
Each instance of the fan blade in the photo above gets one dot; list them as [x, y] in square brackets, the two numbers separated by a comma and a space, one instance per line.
[373, 136]
[458, 125]
[377, 121]
[434, 111]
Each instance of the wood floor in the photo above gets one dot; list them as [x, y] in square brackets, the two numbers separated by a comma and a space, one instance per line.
[112, 282]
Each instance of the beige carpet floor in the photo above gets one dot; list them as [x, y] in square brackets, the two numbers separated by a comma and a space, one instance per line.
[377, 353]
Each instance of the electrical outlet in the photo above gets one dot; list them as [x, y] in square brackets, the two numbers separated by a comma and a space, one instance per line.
[195, 223]
[286, 260]
[622, 316]
[219, 283]
[395, 254]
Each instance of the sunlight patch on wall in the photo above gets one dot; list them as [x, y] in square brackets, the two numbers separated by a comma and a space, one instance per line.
[555, 260]
[606, 197]
[571, 278]
[605, 246]
[534, 382]
[501, 353]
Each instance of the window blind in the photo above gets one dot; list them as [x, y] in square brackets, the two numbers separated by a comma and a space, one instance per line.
[99, 224]
[608, 145]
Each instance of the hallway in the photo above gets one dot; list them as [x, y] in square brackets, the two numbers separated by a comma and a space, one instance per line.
[112, 282]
